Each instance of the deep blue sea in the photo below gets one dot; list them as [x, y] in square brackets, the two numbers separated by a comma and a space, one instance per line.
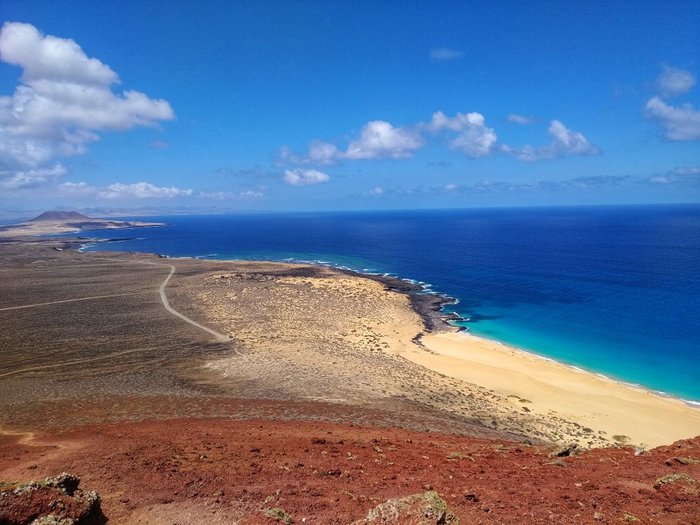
[614, 290]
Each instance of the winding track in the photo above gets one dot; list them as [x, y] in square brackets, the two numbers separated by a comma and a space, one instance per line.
[219, 336]
[163, 298]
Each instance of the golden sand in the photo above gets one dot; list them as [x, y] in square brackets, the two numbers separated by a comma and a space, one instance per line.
[624, 412]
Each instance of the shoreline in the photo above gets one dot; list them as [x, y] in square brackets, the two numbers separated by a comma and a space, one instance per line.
[580, 369]
[474, 377]
[427, 303]
[626, 413]
[630, 414]
[577, 368]
[430, 304]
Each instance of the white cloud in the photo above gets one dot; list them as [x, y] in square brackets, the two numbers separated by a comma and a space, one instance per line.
[445, 54]
[379, 139]
[63, 101]
[75, 186]
[13, 180]
[49, 57]
[520, 119]
[567, 141]
[679, 122]
[147, 190]
[661, 179]
[323, 152]
[451, 187]
[377, 190]
[299, 177]
[473, 137]
[229, 195]
[689, 170]
[564, 142]
[674, 81]
[141, 190]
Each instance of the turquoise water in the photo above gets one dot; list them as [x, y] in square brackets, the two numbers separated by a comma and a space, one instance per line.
[614, 290]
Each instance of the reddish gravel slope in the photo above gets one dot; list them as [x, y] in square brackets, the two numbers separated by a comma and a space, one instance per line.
[223, 471]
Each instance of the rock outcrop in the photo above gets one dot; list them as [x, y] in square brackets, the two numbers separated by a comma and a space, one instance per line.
[418, 509]
[52, 501]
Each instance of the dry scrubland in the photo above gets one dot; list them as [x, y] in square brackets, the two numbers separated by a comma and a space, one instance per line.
[86, 339]
[108, 350]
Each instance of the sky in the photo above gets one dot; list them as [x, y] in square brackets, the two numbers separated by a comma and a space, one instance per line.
[213, 106]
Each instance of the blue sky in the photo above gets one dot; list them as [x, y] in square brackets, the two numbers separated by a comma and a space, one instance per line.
[347, 105]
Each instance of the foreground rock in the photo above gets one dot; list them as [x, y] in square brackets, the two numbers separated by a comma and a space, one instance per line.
[418, 509]
[52, 501]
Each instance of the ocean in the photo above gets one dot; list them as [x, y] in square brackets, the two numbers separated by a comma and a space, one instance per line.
[612, 290]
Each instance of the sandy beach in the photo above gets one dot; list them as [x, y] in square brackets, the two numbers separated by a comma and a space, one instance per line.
[626, 413]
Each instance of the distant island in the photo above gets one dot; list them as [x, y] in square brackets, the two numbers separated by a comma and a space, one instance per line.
[54, 222]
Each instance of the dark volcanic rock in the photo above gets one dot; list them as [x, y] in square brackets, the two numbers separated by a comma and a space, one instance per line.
[55, 500]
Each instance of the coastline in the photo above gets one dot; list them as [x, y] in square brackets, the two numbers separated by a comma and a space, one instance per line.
[629, 413]
[612, 331]
[619, 412]
[457, 353]
[390, 325]
[626, 413]
[430, 305]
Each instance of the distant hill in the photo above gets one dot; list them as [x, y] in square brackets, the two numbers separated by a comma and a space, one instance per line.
[54, 222]
[61, 216]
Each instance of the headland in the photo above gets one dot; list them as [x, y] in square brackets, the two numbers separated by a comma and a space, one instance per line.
[58, 222]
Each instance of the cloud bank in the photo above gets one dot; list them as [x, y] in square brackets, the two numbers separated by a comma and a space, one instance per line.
[142, 190]
[64, 99]
[465, 132]
[146, 191]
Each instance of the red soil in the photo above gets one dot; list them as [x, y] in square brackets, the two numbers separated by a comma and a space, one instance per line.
[224, 471]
